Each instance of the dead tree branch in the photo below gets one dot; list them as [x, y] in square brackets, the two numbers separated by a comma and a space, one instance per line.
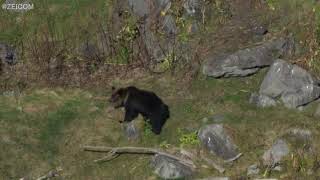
[134, 150]
[51, 174]
[213, 164]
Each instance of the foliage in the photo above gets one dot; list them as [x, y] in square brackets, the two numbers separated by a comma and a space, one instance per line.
[147, 128]
[272, 4]
[164, 144]
[186, 139]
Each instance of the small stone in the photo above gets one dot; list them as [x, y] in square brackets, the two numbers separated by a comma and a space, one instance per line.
[168, 168]
[131, 132]
[253, 170]
[303, 134]
[275, 154]
[277, 168]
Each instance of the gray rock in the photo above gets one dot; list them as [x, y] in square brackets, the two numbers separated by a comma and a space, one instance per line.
[262, 100]
[278, 168]
[294, 85]
[131, 132]
[169, 25]
[253, 170]
[8, 54]
[260, 30]
[301, 134]
[317, 113]
[275, 154]
[243, 62]
[144, 7]
[192, 7]
[153, 46]
[194, 28]
[216, 140]
[168, 168]
[140, 7]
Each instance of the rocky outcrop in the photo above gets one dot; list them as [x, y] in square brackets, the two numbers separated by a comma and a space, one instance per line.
[246, 61]
[289, 83]
[217, 141]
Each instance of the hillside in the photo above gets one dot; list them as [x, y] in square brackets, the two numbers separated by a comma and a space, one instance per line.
[212, 62]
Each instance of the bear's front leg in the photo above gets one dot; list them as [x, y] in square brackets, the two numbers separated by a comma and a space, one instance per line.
[130, 115]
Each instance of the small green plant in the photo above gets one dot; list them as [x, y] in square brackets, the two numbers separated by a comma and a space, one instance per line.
[147, 128]
[272, 4]
[188, 138]
[168, 61]
[164, 144]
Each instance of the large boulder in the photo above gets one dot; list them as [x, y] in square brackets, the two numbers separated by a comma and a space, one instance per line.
[246, 61]
[217, 141]
[276, 153]
[168, 168]
[294, 85]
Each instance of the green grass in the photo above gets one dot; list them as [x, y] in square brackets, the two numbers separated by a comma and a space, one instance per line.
[56, 122]
[74, 117]
[63, 19]
[43, 129]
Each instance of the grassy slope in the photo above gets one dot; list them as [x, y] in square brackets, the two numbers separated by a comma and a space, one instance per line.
[43, 129]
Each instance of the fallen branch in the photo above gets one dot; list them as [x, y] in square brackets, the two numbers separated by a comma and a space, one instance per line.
[213, 164]
[234, 158]
[134, 150]
[111, 155]
[51, 174]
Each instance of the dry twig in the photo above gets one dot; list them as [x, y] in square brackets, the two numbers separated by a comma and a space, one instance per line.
[134, 150]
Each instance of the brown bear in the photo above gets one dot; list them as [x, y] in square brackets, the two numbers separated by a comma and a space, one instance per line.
[136, 101]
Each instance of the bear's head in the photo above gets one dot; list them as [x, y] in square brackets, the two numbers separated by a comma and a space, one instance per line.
[118, 97]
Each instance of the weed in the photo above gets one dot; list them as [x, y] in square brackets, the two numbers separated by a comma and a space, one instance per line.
[272, 4]
[147, 128]
[164, 144]
[187, 139]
